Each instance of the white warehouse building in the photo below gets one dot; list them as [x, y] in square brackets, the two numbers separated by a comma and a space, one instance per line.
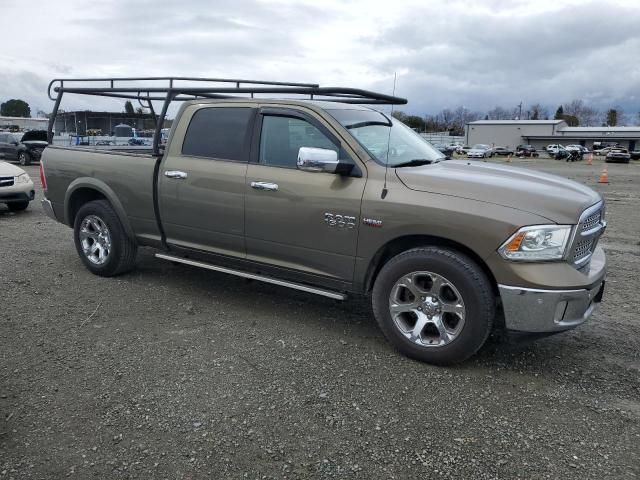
[23, 123]
[540, 133]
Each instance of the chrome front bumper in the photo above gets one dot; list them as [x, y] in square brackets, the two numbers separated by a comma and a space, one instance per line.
[547, 311]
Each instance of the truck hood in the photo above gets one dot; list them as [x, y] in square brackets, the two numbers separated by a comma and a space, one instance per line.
[555, 198]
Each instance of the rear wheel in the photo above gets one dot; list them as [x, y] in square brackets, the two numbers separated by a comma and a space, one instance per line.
[17, 206]
[434, 304]
[101, 241]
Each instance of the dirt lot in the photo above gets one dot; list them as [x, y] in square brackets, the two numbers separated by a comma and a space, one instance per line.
[174, 372]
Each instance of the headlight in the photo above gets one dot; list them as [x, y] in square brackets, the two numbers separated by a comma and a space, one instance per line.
[537, 243]
[24, 178]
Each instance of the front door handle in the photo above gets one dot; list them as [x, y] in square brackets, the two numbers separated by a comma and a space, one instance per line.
[273, 187]
[175, 174]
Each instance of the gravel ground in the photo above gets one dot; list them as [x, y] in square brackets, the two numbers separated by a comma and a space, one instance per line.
[179, 373]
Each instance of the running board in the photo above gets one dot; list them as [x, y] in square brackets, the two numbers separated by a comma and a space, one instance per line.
[253, 276]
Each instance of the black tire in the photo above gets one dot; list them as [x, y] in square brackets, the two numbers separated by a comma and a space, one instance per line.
[121, 256]
[24, 158]
[18, 206]
[470, 281]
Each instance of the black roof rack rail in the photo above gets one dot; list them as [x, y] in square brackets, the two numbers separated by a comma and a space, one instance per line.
[172, 89]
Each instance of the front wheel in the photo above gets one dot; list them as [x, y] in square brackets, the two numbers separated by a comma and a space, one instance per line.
[24, 158]
[101, 241]
[434, 304]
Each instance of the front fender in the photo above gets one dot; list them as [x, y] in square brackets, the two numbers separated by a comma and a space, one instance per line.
[101, 187]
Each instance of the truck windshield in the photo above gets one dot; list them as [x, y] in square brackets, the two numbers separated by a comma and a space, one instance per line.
[382, 136]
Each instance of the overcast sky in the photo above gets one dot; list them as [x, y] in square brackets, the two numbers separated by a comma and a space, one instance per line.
[460, 52]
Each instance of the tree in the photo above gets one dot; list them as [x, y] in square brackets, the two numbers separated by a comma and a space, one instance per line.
[445, 117]
[499, 113]
[538, 112]
[400, 115]
[415, 122]
[569, 114]
[584, 113]
[612, 117]
[128, 107]
[559, 113]
[462, 116]
[571, 120]
[15, 108]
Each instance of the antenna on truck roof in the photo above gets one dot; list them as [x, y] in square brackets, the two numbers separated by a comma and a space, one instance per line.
[168, 89]
[384, 192]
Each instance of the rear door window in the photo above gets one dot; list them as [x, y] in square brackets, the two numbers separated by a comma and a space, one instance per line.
[219, 133]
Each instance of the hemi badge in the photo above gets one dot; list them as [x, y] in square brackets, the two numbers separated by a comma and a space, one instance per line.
[372, 222]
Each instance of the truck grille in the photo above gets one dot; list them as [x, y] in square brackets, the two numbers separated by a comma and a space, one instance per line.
[582, 249]
[590, 227]
[591, 221]
[6, 181]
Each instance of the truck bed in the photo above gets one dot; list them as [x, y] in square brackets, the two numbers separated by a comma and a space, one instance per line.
[123, 177]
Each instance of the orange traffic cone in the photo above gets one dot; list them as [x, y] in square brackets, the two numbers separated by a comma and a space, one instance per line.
[604, 176]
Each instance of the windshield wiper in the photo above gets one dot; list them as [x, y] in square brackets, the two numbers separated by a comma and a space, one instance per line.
[416, 162]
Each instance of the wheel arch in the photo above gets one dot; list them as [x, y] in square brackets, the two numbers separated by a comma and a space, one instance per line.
[84, 190]
[408, 242]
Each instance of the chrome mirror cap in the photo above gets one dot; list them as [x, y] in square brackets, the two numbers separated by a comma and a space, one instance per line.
[312, 159]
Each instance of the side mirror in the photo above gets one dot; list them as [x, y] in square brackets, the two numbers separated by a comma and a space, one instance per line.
[317, 160]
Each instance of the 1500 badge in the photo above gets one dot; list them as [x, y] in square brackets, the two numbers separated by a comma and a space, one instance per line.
[339, 221]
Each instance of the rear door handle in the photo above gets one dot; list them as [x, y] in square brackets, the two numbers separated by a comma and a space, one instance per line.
[273, 187]
[175, 174]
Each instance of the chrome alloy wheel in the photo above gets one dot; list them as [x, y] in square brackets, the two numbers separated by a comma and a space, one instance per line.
[427, 309]
[95, 239]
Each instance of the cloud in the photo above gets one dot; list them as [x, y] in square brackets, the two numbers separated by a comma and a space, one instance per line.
[471, 53]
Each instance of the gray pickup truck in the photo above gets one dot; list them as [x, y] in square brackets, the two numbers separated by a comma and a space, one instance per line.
[335, 198]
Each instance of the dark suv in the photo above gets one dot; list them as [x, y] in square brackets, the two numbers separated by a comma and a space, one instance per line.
[526, 151]
[25, 148]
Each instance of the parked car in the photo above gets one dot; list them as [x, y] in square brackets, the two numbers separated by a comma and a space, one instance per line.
[577, 148]
[635, 154]
[16, 188]
[25, 148]
[480, 151]
[618, 155]
[553, 148]
[337, 199]
[447, 150]
[603, 145]
[602, 148]
[502, 151]
[137, 142]
[463, 149]
[602, 151]
[572, 155]
[526, 151]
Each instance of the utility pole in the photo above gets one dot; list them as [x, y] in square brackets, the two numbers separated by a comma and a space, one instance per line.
[520, 111]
